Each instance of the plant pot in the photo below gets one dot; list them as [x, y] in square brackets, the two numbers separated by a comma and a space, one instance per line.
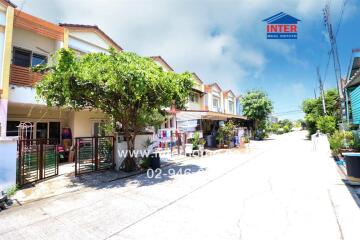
[352, 160]
[345, 150]
[154, 161]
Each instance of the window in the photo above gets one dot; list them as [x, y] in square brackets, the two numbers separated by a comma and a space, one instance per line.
[194, 97]
[99, 128]
[25, 58]
[21, 57]
[54, 130]
[41, 130]
[38, 59]
[12, 128]
[216, 102]
[231, 106]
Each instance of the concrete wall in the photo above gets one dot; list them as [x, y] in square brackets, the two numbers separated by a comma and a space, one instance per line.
[122, 146]
[7, 163]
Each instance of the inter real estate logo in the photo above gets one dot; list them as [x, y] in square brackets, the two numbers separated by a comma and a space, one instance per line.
[281, 26]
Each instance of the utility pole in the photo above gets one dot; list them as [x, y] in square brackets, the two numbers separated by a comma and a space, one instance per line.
[315, 93]
[334, 51]
[321, 88]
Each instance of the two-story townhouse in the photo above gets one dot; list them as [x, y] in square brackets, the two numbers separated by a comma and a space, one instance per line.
[229, 102]
[214, 98]
[30, 41]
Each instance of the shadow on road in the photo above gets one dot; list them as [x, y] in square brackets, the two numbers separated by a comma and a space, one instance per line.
[117, 179]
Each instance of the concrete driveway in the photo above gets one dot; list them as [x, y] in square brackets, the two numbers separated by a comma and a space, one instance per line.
[279, 189]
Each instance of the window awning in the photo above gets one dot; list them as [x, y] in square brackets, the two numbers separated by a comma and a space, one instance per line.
[195, 115]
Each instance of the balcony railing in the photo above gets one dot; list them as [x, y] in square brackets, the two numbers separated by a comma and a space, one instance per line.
[23, 76]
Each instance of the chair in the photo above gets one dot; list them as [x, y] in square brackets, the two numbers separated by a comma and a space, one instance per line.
[188, 149]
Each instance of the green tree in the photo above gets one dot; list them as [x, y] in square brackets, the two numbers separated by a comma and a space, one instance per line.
[313, 109]
[131, 90]
[256, 106]
[326, 124]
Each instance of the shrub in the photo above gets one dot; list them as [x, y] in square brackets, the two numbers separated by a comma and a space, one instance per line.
[340, 140]
[145, 163]
[326, 124]
[280, 131]
[286, 129]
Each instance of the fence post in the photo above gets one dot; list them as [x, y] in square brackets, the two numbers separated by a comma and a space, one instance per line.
[20, 173]
[41, 159]
[76, 156]
[96, 153]
[113, 152]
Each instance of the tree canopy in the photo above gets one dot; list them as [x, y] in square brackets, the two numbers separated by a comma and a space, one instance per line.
[313, 110]
[130, 89]
[256, 106]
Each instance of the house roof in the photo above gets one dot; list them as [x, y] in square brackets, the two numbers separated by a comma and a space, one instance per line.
[353, 77]
[230, 91]
[94, 28]
[197, 77]
[281, 18]
[215, 84]
[7, 3]
[159, 58]
[40, 26]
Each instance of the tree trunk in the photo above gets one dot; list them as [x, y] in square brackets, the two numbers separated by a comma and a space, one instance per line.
[129, 162]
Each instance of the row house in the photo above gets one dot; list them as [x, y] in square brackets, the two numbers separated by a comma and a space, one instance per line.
[27, 41]
[207, 108]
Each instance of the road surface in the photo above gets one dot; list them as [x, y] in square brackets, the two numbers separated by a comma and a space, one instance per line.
[278, 189]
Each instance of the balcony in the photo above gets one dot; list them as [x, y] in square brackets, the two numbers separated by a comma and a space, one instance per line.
[23, 76]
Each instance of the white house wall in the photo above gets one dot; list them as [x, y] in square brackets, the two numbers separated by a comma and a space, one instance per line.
[193, 105]
[22, 94]
[34, 42]
[85, 46]
[92, 38]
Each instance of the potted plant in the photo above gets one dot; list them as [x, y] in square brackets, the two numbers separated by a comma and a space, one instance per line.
[201, 146]
[346, 144]
[195, 141]
[220, 137]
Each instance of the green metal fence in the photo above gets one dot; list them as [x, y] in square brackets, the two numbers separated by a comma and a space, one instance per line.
[94, 154]
[37, 160]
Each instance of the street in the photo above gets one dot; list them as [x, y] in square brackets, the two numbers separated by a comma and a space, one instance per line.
[278, 189]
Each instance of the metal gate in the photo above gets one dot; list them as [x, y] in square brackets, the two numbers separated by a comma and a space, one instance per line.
[94, 154]
[37, 159]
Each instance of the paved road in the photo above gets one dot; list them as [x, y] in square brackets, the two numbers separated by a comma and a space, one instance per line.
[280, 190]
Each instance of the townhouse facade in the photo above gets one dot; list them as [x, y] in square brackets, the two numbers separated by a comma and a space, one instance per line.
[29, 41]
[26, 41]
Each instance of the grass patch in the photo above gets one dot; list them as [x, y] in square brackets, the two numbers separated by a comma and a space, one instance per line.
[12, 190]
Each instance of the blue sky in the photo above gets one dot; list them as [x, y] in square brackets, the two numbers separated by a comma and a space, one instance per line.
[223, 41]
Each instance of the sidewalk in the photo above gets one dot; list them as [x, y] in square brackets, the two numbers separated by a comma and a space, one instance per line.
[342, 196]
[68, 183]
